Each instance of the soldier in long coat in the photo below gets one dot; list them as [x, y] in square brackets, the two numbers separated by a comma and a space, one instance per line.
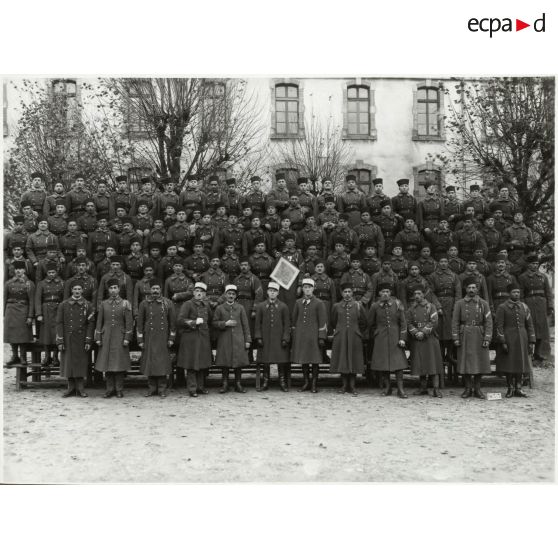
[113, 334]
[49, 293]
[156, 331]
[272, 335]
[426, 357]
[309, 331]
[234, 339]
[388, 333]
[75, 320]
[19, 304]
[194, 353]
[471, 331]
[515, 334]
[538, 296]
[349, 323]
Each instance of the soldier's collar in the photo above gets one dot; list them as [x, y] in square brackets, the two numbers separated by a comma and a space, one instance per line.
[79, 300]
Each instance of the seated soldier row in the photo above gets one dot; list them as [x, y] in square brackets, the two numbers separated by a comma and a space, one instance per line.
[282, 337]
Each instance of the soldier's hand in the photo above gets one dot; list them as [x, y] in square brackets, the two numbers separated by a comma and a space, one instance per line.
[284, 344]
[61, 347]
[39, 318]
[457, 343]
[259, 343]
[505, 348]
[35, 263]
[440, 312]
[230, 323]
[420, 335]
[247, 346]
[252, 315]
[170, 343]
[125, 343]
[321, 343]
[401, 343]
[29, 321]
[531, 349]
[485, 344]
[99, 343]
[87, 347]
[141, 345]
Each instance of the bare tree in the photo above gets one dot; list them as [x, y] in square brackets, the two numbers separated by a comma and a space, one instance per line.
[320, 153]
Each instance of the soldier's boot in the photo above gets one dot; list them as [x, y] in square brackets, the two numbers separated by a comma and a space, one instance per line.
[518, 391]
[71, 388]
[509, 379]
[282, 380]
[306, 378]
[80, 387]
[385, 380]
[315, 374]
[111, 386]
[15, 356]
[352, 382]
[436, 392]
[225, 385]
[468, 392]
[152, 383]
[422, 390]
[162, 386]
[477, 389]
[400, 391]
[265, 383]
[237, 377]
[345, 385]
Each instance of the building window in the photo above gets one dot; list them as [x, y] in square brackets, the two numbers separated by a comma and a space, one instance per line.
[286, 109]
[423, 176]
[65, 95]
[428, 112]
[214, 107]
[5, 108]
[363, 179]
[137, 92]
[358, 111]
[135, 174]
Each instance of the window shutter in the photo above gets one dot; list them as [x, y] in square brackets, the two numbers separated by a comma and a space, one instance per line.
[415, 115]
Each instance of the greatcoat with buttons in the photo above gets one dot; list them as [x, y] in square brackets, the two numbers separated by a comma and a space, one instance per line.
[231, 349]
[348, 320]
[19, 303]
[48, 295]
[309, 324]
[272, 326]
[194, 351]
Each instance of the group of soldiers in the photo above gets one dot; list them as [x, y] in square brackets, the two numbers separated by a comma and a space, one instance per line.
[190, 270]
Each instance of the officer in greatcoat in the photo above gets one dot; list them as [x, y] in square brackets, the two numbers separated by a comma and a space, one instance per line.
[272, 336]
[309, 331]
[113, 334]
[194, 353]
[388, 333]
[471, 331]
[349, 323]
[75, 321]
[515, 334]
[234, 338]
[426, 357]
[156, 332]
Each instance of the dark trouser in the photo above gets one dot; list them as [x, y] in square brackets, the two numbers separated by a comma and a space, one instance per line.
[114, 381]
[76, 384]
[157, 383]
[195, 379]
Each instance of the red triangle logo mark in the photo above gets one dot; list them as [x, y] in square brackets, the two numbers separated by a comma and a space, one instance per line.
[519, 25]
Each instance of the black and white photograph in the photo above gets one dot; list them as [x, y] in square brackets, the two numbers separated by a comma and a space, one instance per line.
[277, 278]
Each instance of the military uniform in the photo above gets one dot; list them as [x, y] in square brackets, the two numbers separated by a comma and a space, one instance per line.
[52, 201]
[231, 341]
[19, 305]
[493, 240]
[480, 281]
[228, 235]
[278, 197]
[213, 198]
[261, 266]
[427, 265]
[195, 265]
[400, 266]
[370, 265]
[127, 200]
[75, 202]
[347, 237]
[57, 224]
[410, 241]
[180, 286]
[36, 198]
[446, 287]
[41, 269]
[9, 270]
[326, 291]
[88, 284]
[440, 242]
[382, 277]
[102, 204]
[125, 283]
[98, 241]
[406, 290]
[336, 265]
[14, 238]
[36, 246]
[309, 323]
[429, 212]
[497, 285]
[133, 265]
[457, 265]
[125, 240]
[87, 222]
[249, 293]
[451, 210]
[405, 205]
[49, 294]
[249, 241]
[230, 265]
[256, 200]
[468, 240]
[370, 234]
[308, 203]
[313, 235]
[166, 266]
[216, 281]
[362, 285]
[190, 199]
[374, 205]
[516, 239]
[353, 204]
[179, 233]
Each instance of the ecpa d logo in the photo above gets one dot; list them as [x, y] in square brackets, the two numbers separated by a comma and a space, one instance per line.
[493, 25]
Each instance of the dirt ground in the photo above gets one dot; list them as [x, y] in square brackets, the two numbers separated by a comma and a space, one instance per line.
[277, 437]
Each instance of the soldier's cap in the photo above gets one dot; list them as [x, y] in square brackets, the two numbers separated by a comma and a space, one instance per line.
[343, 217]
[51, 266]
[213, 178]
[289, 236]
[165, 180]
[350, 177]
[402, 181]
[472, 259]
[466, 216]
[112, 282]
[273, 285]
[328, 199]
[146, 180]
[426, 245]
[214, 256]
[487, 216]
[280, 176]
[503, 185]
[512, 286]
[450, 188]
[231, 288]
[474, 187]
[355, 258]
[369, 244]
[148, 264]
[326, 179]
[19, 219]
[18, 245]
[142, 202]
[347, 285]
[261, 239]
[79, 175]
[495, 207]
[384, 286]
[245, 259]
[396, 245]
[319, 261]
[191, 176]
[532, 258]
[387, 260]
[99, 182]
[80, 260]
[302, 180]
[121, 178]
[231, 181]
[37, 175]
[155, 283]
[117, 259]
[418, 287]
[501, 258]
[255, 179]
[155, 244]
[365, 211]
[308, 281]
[125, 220]
[377, 181]
[25, 204]
[120, 206]
[170, 204]
[18, 265]
[468, 281]
[516, 211]
[196, 207]
[89, 200]
[383, 203]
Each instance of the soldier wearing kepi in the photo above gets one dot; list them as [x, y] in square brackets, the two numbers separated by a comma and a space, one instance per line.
[113, 334]
[471, 331]
[404, 204]
[349, 323]
[388, 333]
[194, 353]
[156, 331]
[515, 334]
[272, 335]
[74, 337]
[234, 339]
[309, 325]
[426, 358]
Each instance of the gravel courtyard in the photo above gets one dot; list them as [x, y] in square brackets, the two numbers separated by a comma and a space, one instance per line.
[277, 437]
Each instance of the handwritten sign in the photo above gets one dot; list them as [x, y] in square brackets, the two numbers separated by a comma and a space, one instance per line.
[493, 396]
